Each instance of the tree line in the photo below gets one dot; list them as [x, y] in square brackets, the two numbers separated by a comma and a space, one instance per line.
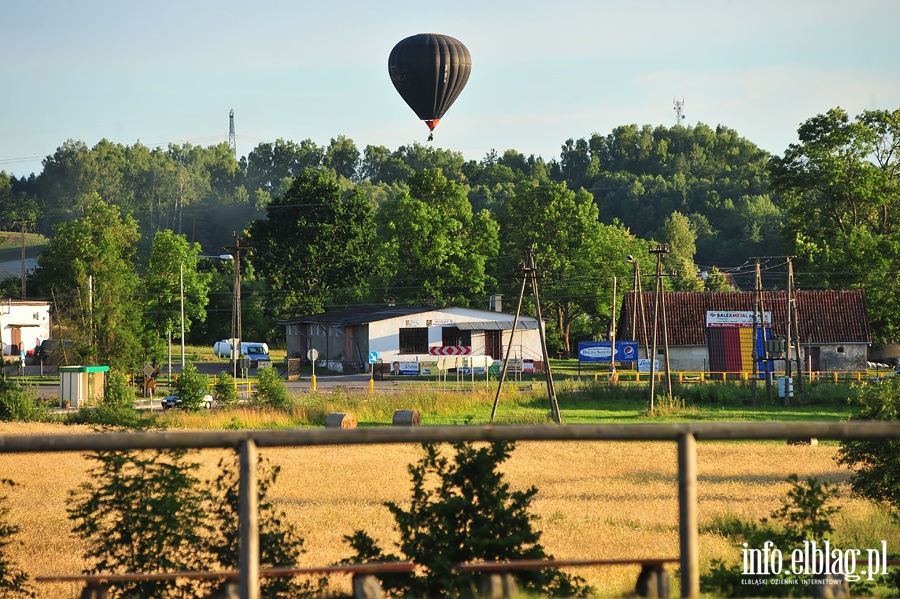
[333, 225]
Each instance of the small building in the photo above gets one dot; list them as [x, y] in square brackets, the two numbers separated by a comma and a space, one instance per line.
[411, 338]
[833, 328]
[23, 325]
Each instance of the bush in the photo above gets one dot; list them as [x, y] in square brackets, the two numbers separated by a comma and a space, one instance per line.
[876, 464]
[142, 512]
[271, 390]
[13, 580]
[191, 388]
[223, 391]
[804, 516]
[16, 404]
[118, 393]
[470, 514]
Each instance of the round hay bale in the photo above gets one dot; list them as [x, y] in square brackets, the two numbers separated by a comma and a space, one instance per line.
[407, 418]
[338, 420]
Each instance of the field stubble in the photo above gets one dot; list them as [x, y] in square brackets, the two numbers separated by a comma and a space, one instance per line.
[596, 500]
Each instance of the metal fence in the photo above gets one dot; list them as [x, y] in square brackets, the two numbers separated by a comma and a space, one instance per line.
[247, 443]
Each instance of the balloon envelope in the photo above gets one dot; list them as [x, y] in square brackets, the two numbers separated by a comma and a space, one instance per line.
[429, 71]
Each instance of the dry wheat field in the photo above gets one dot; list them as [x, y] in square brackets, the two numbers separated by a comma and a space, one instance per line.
[596, 500]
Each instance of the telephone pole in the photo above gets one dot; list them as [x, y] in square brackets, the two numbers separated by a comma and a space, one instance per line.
[236, 249]
[659, 304]
[529, 272]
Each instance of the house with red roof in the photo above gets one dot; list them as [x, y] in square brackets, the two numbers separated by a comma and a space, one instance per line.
[715, 331]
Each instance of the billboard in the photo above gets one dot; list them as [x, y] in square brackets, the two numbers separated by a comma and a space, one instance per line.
[600, 351]
[735, 318]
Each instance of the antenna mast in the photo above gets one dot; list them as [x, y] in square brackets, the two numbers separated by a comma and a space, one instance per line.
[231, 142]
[679, 110]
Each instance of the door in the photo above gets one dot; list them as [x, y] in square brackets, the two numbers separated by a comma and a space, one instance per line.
[492, 344]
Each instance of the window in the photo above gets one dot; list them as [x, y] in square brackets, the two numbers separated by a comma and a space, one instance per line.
[414, 341]
[452, 337]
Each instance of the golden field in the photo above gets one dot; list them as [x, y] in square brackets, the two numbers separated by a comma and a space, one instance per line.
[596, 500]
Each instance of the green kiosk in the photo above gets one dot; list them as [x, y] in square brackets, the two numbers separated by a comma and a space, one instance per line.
[81, 386]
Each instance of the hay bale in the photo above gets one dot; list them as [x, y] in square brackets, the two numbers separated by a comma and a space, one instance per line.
[338, 420]
[407, 418]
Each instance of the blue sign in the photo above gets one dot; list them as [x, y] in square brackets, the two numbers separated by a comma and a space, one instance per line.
[600, 351]
[373, 357]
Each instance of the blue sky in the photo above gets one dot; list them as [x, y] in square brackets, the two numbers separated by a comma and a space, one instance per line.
[543, 72]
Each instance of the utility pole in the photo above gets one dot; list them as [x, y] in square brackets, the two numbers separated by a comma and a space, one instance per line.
[795, 318]
[613, 377]
[236, 249]
[788, 376]
[529, 272]
[659, 250]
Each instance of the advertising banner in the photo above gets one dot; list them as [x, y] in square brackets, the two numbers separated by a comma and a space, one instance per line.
[600, 351]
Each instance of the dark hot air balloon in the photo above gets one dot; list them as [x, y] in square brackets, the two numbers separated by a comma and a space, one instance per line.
[430, 70]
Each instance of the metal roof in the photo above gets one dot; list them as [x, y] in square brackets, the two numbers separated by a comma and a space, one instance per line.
[498, 325]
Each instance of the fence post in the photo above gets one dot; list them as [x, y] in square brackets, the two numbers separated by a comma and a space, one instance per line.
[248, 556]
[688, 540]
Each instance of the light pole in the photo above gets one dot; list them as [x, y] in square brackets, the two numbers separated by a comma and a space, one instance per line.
[224, 257]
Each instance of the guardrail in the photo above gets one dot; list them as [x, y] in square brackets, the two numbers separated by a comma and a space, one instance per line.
[247, 443]
[688, 377]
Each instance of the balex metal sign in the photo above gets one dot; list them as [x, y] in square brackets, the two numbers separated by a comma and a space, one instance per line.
[600, 351]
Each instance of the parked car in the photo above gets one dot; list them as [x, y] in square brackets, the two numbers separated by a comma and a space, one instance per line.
[256, 353]
[174, 401]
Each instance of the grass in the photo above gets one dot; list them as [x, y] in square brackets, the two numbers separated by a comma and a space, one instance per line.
[596, 500]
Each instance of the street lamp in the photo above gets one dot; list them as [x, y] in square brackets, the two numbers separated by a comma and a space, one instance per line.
[224, 257]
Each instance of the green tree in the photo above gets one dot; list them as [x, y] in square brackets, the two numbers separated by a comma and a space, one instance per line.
[271, 390]
[171, 271]
[191, 388]
[840, 190]
[89, 268]
[463, 510]
[432, 245]
[576, 254]
[312, 247]
[14, 582]
[280, 545]
[142, 512]
[678, 233]
[876, 464]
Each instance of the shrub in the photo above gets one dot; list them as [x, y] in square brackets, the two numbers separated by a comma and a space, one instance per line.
[142, 512]
[224, 391]
[271, 390]
[118, 393]
[876, 464]
[191, 388]
[13, 580]
[16, 404]
[280, 546]
[804, 516]
[470, 514]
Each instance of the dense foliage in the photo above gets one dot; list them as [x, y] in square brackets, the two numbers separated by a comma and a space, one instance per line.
[334, 225]
[463, 510]
[876, 464]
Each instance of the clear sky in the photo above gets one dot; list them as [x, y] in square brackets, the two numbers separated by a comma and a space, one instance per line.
[170, 70]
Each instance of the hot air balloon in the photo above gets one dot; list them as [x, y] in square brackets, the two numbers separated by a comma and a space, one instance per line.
[430, 70]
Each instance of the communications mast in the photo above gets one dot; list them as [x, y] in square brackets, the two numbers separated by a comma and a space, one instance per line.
[679, 110]
[231, 142]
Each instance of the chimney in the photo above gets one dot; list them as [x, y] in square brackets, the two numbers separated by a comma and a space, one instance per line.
[496, 304]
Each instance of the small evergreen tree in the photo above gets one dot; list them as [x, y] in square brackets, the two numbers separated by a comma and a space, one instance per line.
[142, 512]
[279, 543]
[271, 389]
[13, 581]
[224, 391]
[470, 514]
[191, 388]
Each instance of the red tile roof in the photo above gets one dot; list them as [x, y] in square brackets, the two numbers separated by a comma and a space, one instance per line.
[826, 317]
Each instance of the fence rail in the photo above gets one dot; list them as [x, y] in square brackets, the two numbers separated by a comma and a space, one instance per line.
[246, 443]
[700, 377]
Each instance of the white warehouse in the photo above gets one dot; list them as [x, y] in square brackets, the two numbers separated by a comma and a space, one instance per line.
[411, 338]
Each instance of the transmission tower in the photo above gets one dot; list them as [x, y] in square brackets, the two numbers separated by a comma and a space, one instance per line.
[679, 110]
[231, 142]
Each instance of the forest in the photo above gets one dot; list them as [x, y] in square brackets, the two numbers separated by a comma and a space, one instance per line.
[335, 225]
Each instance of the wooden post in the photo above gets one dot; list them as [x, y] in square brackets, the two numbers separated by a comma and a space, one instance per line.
[248, 556]
[688, 537]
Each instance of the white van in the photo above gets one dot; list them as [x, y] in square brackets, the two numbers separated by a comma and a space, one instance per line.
[258, 353]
